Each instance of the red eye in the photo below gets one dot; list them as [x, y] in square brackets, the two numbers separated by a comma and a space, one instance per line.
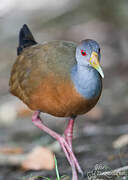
[83, 53]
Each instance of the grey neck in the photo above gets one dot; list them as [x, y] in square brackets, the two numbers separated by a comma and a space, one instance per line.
[87, 81]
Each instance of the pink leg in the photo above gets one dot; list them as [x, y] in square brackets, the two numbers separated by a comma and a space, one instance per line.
[68, 133]
[65, 146]
[74, 172]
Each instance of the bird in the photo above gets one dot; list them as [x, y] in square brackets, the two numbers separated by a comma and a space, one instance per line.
[60, 78]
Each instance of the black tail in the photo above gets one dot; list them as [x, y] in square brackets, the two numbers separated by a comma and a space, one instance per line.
[26, 39]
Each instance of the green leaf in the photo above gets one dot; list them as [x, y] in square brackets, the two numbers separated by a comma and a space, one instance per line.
[56, 167]
[44, 178]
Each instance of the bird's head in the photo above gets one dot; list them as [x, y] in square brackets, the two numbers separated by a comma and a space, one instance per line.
[88, 54]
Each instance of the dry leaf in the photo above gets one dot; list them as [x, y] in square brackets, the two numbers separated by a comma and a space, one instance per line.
[121, 141]
[40, 158]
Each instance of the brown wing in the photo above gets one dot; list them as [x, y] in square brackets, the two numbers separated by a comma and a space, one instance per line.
[36, 63]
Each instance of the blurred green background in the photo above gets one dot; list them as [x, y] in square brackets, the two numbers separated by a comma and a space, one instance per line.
[106, 22]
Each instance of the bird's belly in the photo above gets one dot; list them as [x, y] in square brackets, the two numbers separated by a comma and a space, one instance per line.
[61, 99]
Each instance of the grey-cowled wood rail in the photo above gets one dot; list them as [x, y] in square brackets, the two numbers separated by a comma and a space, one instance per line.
[60, 78]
